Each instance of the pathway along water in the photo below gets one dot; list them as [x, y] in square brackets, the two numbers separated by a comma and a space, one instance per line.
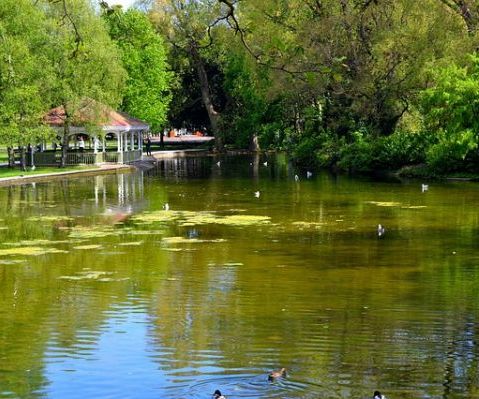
[105, 294]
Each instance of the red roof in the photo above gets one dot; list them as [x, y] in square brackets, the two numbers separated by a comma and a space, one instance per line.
[106, 116]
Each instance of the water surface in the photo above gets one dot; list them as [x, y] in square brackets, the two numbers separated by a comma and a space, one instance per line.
[104, 294]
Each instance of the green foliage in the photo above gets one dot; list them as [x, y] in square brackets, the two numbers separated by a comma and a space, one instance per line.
[23, 84]
[85, 61]
[452, 104]
[402, 148]
[304, 153]
[147, 93]
[367, 154]
[450, 108]
[454, 152]
[248, 111]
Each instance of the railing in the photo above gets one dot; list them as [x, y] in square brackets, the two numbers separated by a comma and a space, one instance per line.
[85, 158]
[111, 157]
[47, 158]
[132, 156]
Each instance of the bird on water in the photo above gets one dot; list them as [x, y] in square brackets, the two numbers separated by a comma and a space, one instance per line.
[277, 374]
[218, 395]
[381, 230]
[378, 395]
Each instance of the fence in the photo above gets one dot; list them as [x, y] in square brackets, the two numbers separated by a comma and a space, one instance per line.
[85, 158]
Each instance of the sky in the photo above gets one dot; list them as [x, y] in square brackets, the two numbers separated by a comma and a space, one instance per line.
[124, 3]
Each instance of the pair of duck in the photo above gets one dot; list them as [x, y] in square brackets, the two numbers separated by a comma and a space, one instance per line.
[282, 373]
[218, 395]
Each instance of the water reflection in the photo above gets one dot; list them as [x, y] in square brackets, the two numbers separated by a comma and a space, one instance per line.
[178, 303]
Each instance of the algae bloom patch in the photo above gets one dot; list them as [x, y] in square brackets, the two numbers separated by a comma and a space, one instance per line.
[29, 251]
[188, 218]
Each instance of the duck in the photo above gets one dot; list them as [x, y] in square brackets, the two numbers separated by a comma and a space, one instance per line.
[265, 163]
[309, 174]
[218, 395]
[424, 187]
[381, 230]
[257, 194]
[166, 206]
[296, 178]
[218, 163]
[277, 374]
[378, 395]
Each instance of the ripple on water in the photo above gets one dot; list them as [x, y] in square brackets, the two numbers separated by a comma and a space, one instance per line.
[252, 386]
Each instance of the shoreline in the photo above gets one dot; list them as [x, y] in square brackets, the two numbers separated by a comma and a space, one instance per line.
[170, 154]
[44, 177]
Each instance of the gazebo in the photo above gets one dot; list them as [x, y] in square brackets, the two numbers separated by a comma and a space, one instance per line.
[128, 132]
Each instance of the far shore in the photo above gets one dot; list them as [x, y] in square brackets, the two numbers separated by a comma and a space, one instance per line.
[53, 173]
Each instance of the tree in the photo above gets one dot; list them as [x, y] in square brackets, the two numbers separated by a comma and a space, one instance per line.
[147, 91]
[23, 84]
[468, 10]
[85, 61]
[189, 26]
[360, 61]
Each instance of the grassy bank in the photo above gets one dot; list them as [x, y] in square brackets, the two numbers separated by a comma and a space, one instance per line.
[16, 172]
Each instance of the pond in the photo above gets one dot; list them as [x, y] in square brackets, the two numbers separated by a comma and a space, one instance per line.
[107, 292]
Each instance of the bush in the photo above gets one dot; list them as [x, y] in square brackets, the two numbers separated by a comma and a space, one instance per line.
[454, 152]
[304, 154]
[402, 148]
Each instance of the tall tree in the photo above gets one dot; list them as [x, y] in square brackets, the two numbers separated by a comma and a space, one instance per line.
[143, 52]
[23, 83]
[359, 62]
[189, 27]
[85, 61]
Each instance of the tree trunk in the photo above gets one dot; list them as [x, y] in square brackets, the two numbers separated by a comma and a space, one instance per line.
[23, 158]
[65, 140]
[213, 115]
[11, 157]
[254, 143]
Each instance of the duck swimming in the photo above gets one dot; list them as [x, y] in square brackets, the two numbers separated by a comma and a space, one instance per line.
[377, 395]
[277, 374]
[218, 395]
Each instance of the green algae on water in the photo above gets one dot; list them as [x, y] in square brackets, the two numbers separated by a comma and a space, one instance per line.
[92, 246]
[29, 251]
[12, 261]
[88, 275]
[188, 218]
[183, 240]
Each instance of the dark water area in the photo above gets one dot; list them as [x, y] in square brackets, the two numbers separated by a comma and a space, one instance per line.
[107, 292]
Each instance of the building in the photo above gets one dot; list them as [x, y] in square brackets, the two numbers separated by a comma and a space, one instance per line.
[98, 134]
